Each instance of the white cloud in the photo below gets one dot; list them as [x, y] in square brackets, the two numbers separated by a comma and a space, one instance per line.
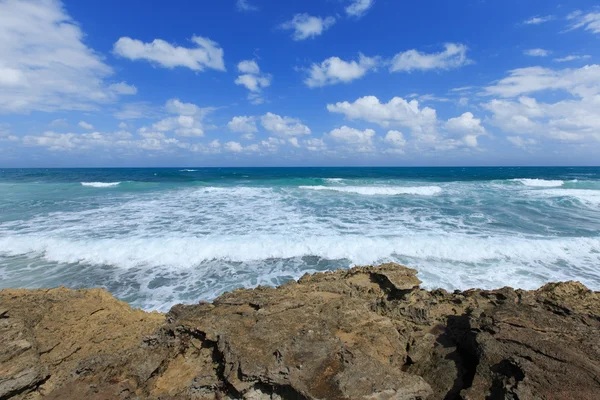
[359, 140]
[123, 88]
[426, 131]
[315, 144]
[234, 147]
[249, 67]
[253, 80]
[467, 127]
[247, 136]
[536, 53]
[187, 122]
[244, 5]
[396, 112]
[466, 123]
[335, 70]
[572, 58]
[122, 125]
[206, 53]
[283, 126]
[85, 125]
[520, 142]
[54, 141]
[538, 20]
[306, 26]
[396, 140]
[176, 106]
[454, 56]
[573, 120]
[243, 124]
[358, 8]
[589, 21]
[253, 83]
[581, 82]
[44, 63]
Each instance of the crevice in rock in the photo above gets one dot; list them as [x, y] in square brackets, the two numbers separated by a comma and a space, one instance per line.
[459, 331]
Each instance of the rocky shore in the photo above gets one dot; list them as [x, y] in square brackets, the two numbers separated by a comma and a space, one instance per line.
[364, 333]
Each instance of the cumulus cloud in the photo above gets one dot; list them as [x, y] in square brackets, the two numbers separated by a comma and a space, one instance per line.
[396, 112]
[588, 21]
[538, 20]
[580, 82]
[45, 64]
[454, 56]
[358, 8]
[234, 147]
[359, 140]
[426, 131]
[575, 118]
[284, 126]
[466, 123]
[335, 70]
[395, 138]
[536, 53]
[85, 125]
[244, 5]
[243, 124]
[315, 144]
[306, 26]
[205, 54]
[187, 121]
[467, 127]
[253, 80]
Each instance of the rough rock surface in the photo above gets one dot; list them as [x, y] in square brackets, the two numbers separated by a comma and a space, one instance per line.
[364, 333]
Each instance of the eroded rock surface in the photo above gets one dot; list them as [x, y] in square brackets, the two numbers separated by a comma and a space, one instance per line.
[364, 333]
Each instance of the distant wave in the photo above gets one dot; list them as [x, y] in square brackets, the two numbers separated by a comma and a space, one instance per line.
[381, 190]
[188, 170]
[100, 184]
[540, 182]
[334, 180]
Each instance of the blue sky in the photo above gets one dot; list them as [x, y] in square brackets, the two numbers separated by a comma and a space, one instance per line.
[294, 83]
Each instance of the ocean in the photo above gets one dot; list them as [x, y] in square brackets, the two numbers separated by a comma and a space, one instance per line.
[157, 237]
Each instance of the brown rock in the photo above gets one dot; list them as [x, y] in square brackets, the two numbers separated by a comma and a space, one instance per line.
[363, 333]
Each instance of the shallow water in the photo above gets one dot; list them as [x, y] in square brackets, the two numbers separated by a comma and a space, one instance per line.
[156, 237]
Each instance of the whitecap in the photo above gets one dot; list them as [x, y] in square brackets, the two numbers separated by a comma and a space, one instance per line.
[583, 195]
[100, 184]
[380, 190]
[539, 182]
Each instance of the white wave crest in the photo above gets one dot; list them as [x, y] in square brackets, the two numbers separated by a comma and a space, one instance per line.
[188, 170]
[540, 182]
[380, 190]
[583, 195]
[189, 252]
[334, 180]
[100, 184]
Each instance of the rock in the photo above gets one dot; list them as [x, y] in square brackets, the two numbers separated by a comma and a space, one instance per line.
[363, 333]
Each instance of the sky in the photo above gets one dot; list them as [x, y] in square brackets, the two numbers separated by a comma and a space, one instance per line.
[132, 83]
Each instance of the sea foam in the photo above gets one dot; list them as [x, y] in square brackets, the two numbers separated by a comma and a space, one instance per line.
[540, 182]
[380, 190]
[100, 184]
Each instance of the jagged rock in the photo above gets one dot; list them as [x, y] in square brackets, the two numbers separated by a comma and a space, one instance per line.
[363, 333]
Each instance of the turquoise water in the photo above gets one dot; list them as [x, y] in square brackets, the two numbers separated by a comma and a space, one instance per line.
[156, 237]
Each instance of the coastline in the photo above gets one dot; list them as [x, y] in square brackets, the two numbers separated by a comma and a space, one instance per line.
[368, 332]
